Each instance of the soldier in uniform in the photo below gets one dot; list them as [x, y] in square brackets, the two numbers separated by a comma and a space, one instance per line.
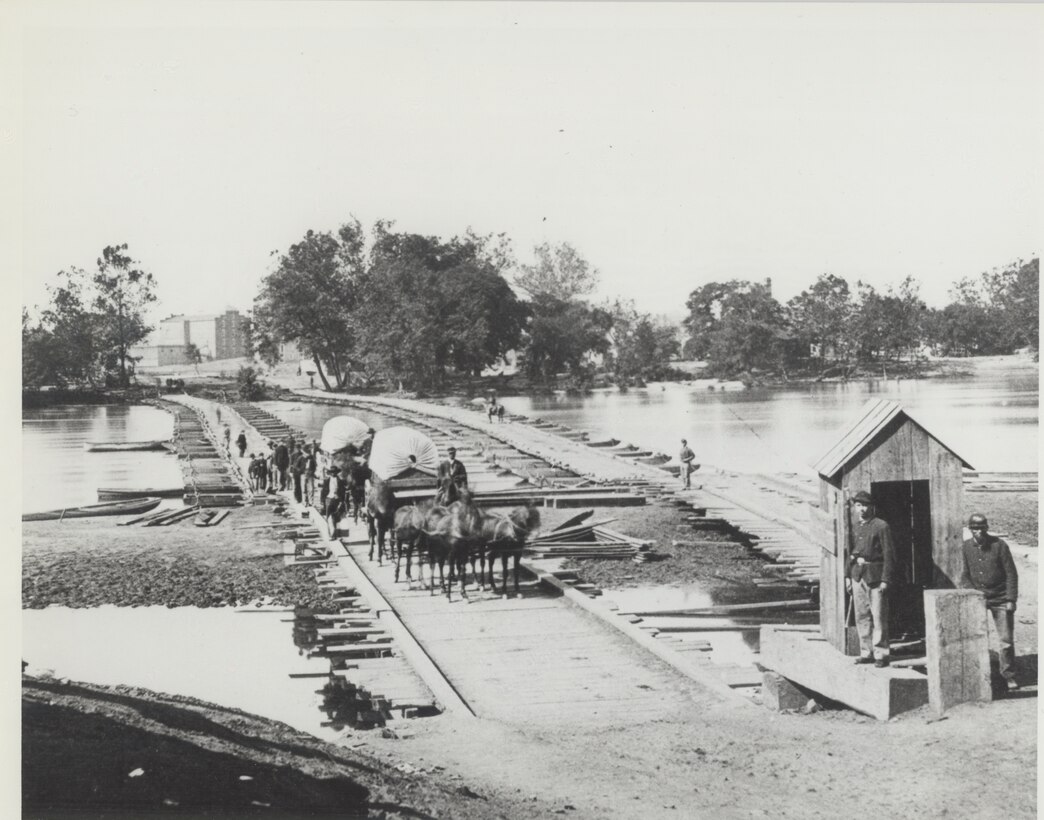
[870, 572]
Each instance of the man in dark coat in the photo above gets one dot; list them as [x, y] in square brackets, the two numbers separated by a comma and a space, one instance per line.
[281, 462]
[452, 477]
[241, 443]
[989, 567]
[331, 498]
[871, 565]
[298, 465]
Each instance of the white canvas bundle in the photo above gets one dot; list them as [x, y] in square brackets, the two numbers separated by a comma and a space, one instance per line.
[392, 448]
[341, 431]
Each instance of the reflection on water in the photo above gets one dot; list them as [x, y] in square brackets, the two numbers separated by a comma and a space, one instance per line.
[58, 472]
[235, 659]
[990, 416]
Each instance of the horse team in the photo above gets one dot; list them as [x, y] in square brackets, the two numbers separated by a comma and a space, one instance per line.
[455, 533]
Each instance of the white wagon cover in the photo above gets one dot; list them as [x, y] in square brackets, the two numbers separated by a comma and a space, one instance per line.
[341, 431]
[392, 448]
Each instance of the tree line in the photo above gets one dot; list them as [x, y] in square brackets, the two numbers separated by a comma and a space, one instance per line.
[831, 328]
[84, 335]
[410, 310]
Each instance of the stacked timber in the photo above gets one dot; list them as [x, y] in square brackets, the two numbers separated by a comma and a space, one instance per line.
[594, 540]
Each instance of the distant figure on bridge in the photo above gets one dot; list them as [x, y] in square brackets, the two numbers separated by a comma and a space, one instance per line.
[491, 409]
[228, 439]
[989, 567]
[688, 464]
[241, 443]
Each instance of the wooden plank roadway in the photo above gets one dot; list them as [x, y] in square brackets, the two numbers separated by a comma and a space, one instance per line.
[533, 659]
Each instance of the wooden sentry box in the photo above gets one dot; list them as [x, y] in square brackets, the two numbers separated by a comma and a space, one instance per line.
[917, 486]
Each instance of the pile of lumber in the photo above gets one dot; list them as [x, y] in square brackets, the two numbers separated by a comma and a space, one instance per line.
[593, 540]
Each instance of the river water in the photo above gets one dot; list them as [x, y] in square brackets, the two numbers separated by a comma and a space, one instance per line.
[988, 415]
[58, 472]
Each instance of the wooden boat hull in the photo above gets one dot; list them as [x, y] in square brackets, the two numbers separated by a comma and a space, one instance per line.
[115, 494]
[125, 446]
[127, 507]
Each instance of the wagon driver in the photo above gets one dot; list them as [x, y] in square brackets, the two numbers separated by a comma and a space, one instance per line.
[452, 477]
[870, 572]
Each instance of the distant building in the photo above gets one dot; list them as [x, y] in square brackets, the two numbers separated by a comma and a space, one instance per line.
[216, 336]
[231, 335]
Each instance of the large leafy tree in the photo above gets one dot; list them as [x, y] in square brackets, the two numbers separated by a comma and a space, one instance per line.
[1015, 293]
[309, 298]
[558, 271]
[642, 346]
[428, 306]
[737, 326]
[563, 333]
[122, 294]
[821, 315]
[92, 320]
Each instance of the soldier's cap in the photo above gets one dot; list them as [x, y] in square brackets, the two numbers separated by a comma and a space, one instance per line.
[862, 497]
[977, 521]
[451, 449]
[334, 469]
[371, 431]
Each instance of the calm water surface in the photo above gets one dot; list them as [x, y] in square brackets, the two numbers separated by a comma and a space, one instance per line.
[989, 416]
[220, 655]
[58, 472]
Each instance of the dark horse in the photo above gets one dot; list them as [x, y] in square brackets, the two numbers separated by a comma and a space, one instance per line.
[453, 533]
[380, 516]
[411, 523]
[505, 535]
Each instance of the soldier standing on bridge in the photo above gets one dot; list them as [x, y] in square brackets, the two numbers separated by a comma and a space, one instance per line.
[687, 458]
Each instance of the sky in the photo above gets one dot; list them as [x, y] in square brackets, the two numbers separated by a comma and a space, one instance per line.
[672, 144]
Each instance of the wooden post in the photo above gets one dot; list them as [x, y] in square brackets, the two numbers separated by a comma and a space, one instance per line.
[957, 644]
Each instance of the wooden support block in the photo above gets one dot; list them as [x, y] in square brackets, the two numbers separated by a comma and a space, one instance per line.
[817, 666]
[957, 647]
[780, 694]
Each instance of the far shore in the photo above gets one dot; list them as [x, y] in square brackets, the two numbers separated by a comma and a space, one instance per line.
[216, 377]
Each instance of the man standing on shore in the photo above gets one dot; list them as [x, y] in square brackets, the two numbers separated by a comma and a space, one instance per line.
[870, 570]
[688, 466]
[989, 568]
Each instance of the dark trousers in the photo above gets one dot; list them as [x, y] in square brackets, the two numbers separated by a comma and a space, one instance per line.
[297, 487]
